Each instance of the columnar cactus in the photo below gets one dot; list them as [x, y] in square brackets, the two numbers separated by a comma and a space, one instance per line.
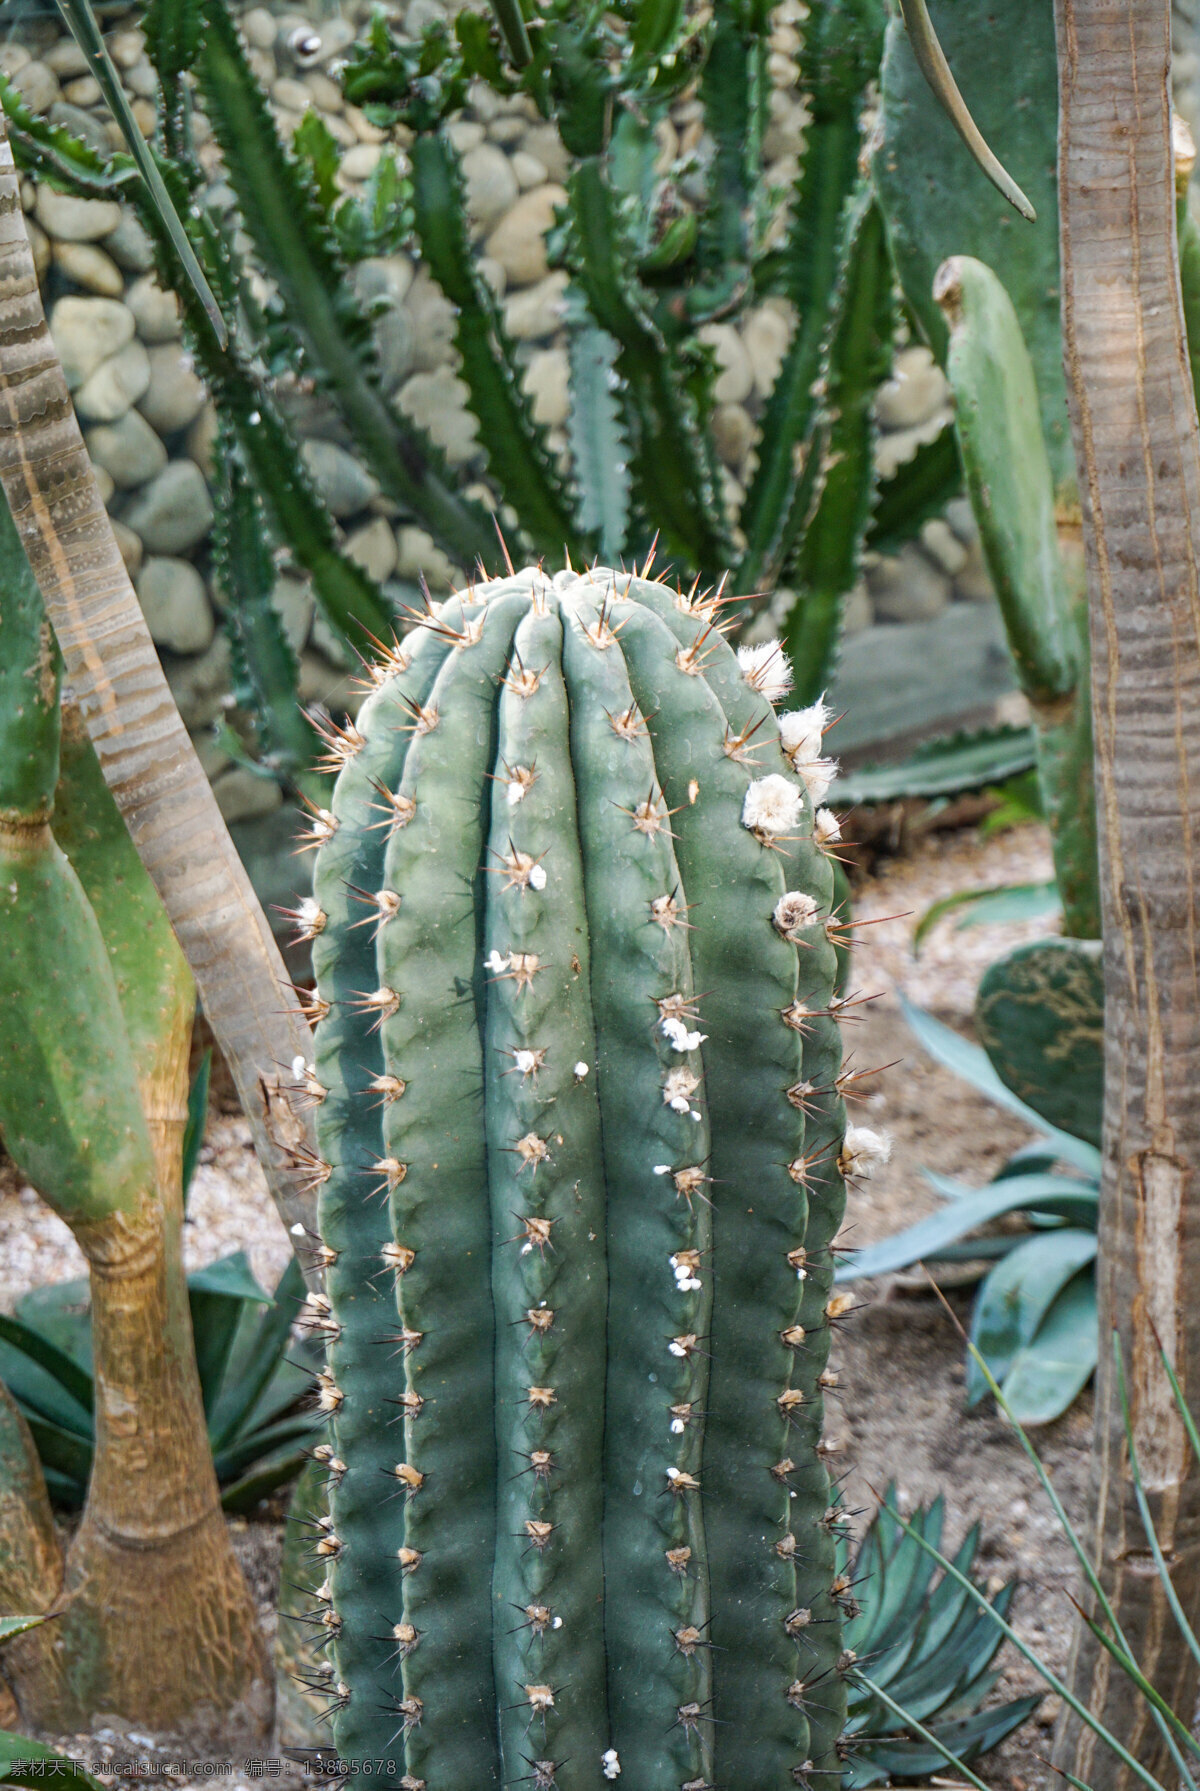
[581, 1165]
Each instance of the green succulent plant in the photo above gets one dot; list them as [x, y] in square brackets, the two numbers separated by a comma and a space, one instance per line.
[253, 1376]
[924, 1641]
[581, 1164]
[1033, 1323]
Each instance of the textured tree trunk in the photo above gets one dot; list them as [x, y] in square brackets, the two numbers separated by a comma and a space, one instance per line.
[117, 683]
[1136, 441]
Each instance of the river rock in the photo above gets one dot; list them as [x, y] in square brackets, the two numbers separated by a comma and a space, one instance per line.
[345, 486]
[546, 380]
[244, 795]
[518, 241]
[130, 246]
[535, 313]
[129, 544]
[175, 604]
[528, 170]
[155, 312]
[80, 124]
[431, 324]
[199, 685]
[174, 511]
[544, 143]
[128, 450]
[735, 376]
[765, 337]
[39, 248]
[417, 554]
[907, 587]
[89, 267]
[373, 547]
[174, 396]
[733, 434]
[436, 402]
[37, 85]
[86, 332]
[293, 599]
[73, 220]
[491, 185]
[115, 386]
[66, 59]
[916, 390]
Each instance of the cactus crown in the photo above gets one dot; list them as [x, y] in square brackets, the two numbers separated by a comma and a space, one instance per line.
[580, 1171]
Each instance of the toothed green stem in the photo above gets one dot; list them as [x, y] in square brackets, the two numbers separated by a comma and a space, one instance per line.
[290, 237]
[611, 1194]
[514, 442]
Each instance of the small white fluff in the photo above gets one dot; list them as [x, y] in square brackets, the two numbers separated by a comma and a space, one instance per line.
[801, 730]
[610, 1763]
[862, 1150]
[772, 806]
[537, 877]
[679, 1104]
[581, 1070]
[793, 912]
[818, 775]
[496, 963]
[677, 1033]
[297, 1230]
[662, 1169]
[526, 1061]
[298, 1067]
[516, 791]
[767, 669]
[827, 829]
[677, 1349]
[677, 1427]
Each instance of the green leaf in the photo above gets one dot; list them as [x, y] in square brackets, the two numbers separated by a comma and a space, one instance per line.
[193, 1132]
[947, 767]
[217, 1296]
[19, 1626]
[1001, 902]
[1039, 1014]
[479, 51]
[317, 147]
[261, 1347]
[74, 1381]
[1015, 1297]
[971, 1062]
[1057, 1364]
[32, 1763]
[967, 1738]
[62, 1312]
[1058, 1194]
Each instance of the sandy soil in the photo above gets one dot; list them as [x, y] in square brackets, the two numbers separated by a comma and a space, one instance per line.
[902, 1415]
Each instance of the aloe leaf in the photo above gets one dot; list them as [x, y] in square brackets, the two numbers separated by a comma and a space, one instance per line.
[599, 448]
[971, 1062]
[1057, 1363]
[1016, 1296]
[27, 1762]
[1052, 1194]
[948, 767]
[984, 907]
[19, 1626]
[193, 1131]
[59, 1368]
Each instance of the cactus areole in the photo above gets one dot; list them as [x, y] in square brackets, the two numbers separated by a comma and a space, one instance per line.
[581, 1166]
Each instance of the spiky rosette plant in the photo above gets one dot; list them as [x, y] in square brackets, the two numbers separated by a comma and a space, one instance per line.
[582, 1159]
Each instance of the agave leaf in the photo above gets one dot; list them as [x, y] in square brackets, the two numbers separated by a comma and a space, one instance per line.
[918, 490]
[262, 1346]
[1058, 1363]
[965, 1739]
[32, 1763]
[946, 767]
[249, 1453]
[64, 1453]
[1056, 1194]
[193, 1132]
[62, 1312]
[19, 1626]
[1002, 902]
[1017, 1294]
[60, 1370]
[217, 1295]
[973, 1064]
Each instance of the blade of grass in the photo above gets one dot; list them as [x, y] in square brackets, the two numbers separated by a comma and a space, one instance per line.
[81, 22]
[1052, 1680]
[910, 1722]
[1185, 1628]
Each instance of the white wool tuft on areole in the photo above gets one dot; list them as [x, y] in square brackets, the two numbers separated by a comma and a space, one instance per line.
[767, 669]
[772, 805]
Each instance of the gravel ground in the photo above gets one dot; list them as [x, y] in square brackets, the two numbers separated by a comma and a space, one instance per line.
[902, 1416]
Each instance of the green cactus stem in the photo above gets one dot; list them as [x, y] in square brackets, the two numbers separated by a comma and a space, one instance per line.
[1012, 496]
[582, 1143]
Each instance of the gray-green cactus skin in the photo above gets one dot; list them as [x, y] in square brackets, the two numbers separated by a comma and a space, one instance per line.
[581, 1167]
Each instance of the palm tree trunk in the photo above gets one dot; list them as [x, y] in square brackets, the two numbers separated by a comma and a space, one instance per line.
[147, 758]
[1138, 451]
